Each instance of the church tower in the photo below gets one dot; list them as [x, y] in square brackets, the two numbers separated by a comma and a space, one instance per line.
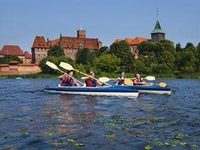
[157, 34]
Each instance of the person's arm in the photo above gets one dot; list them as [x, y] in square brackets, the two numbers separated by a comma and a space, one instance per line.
[142, 82]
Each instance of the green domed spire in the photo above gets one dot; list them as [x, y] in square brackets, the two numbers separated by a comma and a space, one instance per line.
[157, 28]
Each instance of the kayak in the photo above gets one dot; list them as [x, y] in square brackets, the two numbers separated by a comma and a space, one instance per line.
[100, 91]
[154, 89]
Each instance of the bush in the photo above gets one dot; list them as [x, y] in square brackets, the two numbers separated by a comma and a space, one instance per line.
[107, 63]
[56, 61]
[160, 68]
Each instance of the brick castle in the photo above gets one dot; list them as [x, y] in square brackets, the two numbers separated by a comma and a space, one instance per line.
[70, 45]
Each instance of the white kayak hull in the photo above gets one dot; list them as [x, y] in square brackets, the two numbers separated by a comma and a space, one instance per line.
[153, 89]
[96, 91]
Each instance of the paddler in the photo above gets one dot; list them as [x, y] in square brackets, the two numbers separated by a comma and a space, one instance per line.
[120, 79]
[90, 81]
[137, 80]
[67, 80]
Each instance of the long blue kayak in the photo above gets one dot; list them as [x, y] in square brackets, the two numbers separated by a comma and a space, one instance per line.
[102, 90]
[154, 89]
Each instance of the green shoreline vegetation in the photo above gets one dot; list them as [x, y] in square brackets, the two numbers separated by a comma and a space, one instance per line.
[112, 76]
[160, 59]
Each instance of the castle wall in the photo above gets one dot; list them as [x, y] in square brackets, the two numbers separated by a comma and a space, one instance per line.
[19, 69]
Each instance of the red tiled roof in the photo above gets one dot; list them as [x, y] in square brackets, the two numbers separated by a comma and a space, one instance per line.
[139, 40]
[134, 41]
[39, 42]
[74, 42]
[54, 42]
[27, 55]
[13, 50]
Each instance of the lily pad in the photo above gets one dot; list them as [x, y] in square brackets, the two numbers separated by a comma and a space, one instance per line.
[148, 147]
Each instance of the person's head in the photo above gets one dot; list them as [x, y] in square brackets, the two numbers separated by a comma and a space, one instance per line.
[70, 72]
[92, 73]
[123, 74]
[137, 75]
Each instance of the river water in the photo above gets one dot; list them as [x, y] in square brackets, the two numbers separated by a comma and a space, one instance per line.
[33, 119]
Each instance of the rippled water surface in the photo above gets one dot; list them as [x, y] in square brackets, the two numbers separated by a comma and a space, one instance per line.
[33, 119]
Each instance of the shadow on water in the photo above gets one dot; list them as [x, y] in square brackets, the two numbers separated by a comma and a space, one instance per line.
[33, 119]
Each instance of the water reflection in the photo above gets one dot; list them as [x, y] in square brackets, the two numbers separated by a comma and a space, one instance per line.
[70, 113]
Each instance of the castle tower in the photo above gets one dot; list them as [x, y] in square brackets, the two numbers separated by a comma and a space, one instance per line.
[157, 34]
[39, 49]
[81, 33]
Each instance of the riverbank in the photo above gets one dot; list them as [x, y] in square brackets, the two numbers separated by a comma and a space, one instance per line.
[34, 76]
[128, 75]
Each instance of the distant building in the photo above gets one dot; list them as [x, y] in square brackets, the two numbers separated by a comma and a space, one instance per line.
[15, 50]
[133, 42]
[157, 34]
[70, 45]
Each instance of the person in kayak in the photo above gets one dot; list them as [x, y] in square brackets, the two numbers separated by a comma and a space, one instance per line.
[90, 81]
[137, 80]
[120, 79]
[67, 80]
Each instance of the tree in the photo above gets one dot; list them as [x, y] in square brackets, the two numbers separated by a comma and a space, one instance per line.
[185, 62]
[168, 59]
[102, 50]
[140, 67]
[160, 68]
[198, 57]
[188, 45]
[55, 60]
[145, 48]
[84, 56]
[6, 59]
[178, 47]
[56, 51]
[122, 50]
[107, 63]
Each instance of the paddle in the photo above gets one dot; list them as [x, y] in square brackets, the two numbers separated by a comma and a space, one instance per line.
[162, 84]
[150, 78]
[126, 81]
[69, 67]
[53, 66]
[84, 78]
[129, 82]
[106, 79]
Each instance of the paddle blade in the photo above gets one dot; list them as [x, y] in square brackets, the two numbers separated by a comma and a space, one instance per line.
[150, 78]
[52, 65]
[104, 79]
[66, 66]
[162, 84]
[84, 78]
[128, 82]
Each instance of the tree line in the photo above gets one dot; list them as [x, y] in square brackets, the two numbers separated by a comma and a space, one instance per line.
[161, 57]
[8, 58]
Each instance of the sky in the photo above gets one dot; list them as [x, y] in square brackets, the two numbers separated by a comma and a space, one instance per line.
[22, 20]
